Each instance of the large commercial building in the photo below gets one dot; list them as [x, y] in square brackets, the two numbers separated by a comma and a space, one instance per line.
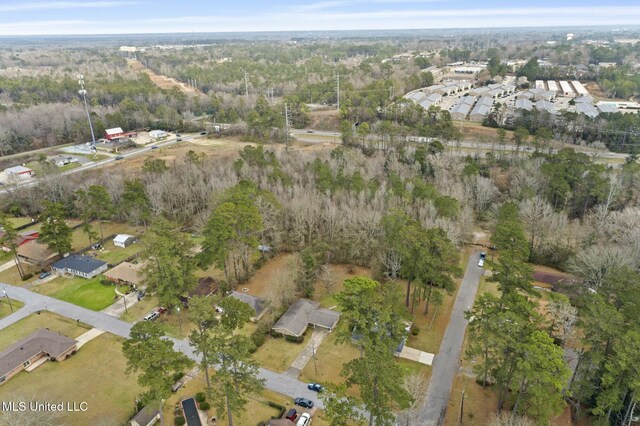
[462, 107]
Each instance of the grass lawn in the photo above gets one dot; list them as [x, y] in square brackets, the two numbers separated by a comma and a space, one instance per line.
[7, 308]
[114, 255]
[176, 324]
[19, 221]
[479, 404]
[89, 293]
[12, 276]
[80, 240]
[28, 325]
[277, 354]
[67, 167]
[140, 309]
[95, 375]
[330, 359]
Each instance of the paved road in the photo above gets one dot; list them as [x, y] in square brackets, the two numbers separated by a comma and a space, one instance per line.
[96, 164]
[447, 361]
[34, 302]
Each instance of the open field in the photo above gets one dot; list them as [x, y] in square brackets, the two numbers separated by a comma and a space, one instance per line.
[89, 293]
[12, 276]
[95, 375]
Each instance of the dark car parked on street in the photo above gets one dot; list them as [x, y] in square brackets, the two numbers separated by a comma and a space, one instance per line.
[303, 402]
[315, 387]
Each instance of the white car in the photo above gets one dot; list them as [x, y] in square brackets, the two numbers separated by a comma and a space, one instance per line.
[481, 263]
[304, 419]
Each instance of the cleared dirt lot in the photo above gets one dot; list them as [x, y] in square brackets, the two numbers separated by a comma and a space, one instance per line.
[162, 81]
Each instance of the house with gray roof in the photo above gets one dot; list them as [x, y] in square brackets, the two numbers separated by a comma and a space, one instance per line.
[82, 266]
[145, 417]
[301, 315]
[27, 353]
[258, 304]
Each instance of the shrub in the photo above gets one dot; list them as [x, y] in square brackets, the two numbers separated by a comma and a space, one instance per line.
[27, 276]
[200, 397]
[179, 375]
[258, 339]
[204, 405]
[415, 330]
[179, 421]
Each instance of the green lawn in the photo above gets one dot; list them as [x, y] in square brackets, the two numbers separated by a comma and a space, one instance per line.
[19, 221]
[67, 167]
[9, 306]
[95, 375]
[89, 293]
[114, 255]
[34, 322]
[140, 309]
[80, 239]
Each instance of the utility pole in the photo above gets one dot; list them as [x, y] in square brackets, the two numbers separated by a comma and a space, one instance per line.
[4, 290]
[338, 90]
[286, 122]
[83, 92]
[124, 298]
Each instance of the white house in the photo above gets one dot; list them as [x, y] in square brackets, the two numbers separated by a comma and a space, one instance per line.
[158, 134]
[123, 240]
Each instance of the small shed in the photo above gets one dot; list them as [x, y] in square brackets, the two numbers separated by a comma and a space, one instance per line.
[123, 240]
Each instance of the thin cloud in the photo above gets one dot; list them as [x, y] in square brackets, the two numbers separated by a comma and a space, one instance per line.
[340, 20]
[58, 5]
[334, 4]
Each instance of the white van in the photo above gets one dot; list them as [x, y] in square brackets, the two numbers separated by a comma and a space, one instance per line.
[304, 419]
[481, 263]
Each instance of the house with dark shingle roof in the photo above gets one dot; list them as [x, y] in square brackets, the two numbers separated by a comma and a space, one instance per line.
[82, 266]
[41, 344]
[302, 314]
[258, 304]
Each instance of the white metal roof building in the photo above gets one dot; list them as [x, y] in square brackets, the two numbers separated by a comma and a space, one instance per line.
[566, 89]
[415, 96]
[524, 104]
[543, 105]
[481, 109]
[539, 84]
[467, 70]
[584, 99]
[19, 171]
[587, 109]
[114, 132]
[552, 85]
[157, 134]
[608, 108]
[462, 107]
[579, 88]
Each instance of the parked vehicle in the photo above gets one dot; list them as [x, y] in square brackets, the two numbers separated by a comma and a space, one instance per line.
[96, 247]
[150, 317]
[481, 263]
[154, 147]
[44, 275]
[161, 310]
[203, 133]
[304, 419]
[292, 415]
[119, 157]
[483, 255]
[303, 402]
[315, 387]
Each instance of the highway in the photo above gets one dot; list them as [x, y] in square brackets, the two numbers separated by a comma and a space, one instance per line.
[321, 136]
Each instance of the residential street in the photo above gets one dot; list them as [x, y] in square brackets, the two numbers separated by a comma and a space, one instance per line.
[447, 361]
[34, 302]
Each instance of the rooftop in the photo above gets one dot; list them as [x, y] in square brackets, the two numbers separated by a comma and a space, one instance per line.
[76, 262]
[42, 340]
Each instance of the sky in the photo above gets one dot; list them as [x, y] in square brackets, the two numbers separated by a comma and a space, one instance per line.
[42, 17]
